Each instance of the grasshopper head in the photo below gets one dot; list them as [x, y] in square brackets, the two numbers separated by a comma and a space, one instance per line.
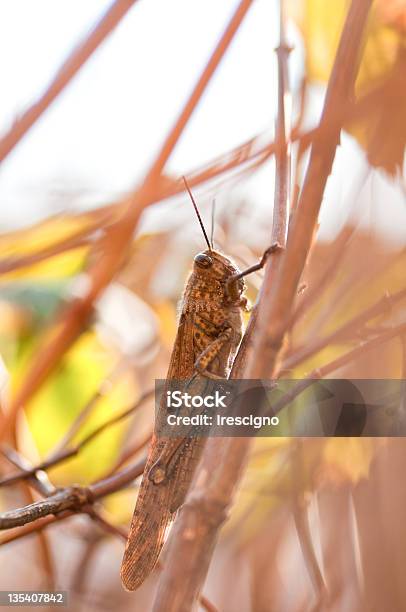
[214, 265]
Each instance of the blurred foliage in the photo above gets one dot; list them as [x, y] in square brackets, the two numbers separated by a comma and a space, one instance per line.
[32, 297]
[48, 234]
[338, 487]
[283, 473]
[383, 132]
[356, 283]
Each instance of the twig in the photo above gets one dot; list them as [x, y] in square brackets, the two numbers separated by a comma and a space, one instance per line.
[116, 482]
[335, 364]
[300, 149]
[42, 484]
[194, 535]
[80, 578]
[87, 410]
[248, 153]
[119, 532]
[343, 332]
[283, 125]
[311, 296]
[277, 312]
[301, 519]
[44, 550]
[11, 264]
[402, 406]
[68, 70]
[282, 191]
[130, 453]
[39, 480]
[206, 604]
[31, 528]
[72, 499]
[68, 453]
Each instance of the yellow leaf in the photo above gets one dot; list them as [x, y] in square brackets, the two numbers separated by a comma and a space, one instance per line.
[383, 132]
[348, 458]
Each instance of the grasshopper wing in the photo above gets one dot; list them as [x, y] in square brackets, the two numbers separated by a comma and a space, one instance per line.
[155, 502]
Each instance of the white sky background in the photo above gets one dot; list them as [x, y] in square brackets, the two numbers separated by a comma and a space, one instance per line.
[97, 139]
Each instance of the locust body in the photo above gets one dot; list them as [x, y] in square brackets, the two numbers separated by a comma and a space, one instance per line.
[209, 332]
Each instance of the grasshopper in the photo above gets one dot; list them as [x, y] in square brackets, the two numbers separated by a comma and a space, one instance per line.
[208, 336]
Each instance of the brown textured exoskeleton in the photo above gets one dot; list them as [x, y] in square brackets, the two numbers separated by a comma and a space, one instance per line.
[209, 332]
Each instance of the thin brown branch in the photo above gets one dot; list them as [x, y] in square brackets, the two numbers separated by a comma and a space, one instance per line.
[344, 332]
[39, 481]
[107, 526]
[68, 453]
[335, 364]
[65, 74]
[11, 264]
[311, 295]
[86, 411]
[283, 124]
[43, 548]
[284, 138]
[80, 578]
[206, 604]
[116, 482]
[130, 453]
[300, 150]
[195, 532]
[78, 238]
[31, 528]
[39, 525]
[301, 519]
[276, 313]
[41, 484]
[249, 154]
[45, 488]
[71, 499]
[402, 407]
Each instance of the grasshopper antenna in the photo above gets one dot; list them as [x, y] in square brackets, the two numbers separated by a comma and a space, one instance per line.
[213, 214]
[197, 213]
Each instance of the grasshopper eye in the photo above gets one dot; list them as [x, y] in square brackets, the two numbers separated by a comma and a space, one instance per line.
[203, 261]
